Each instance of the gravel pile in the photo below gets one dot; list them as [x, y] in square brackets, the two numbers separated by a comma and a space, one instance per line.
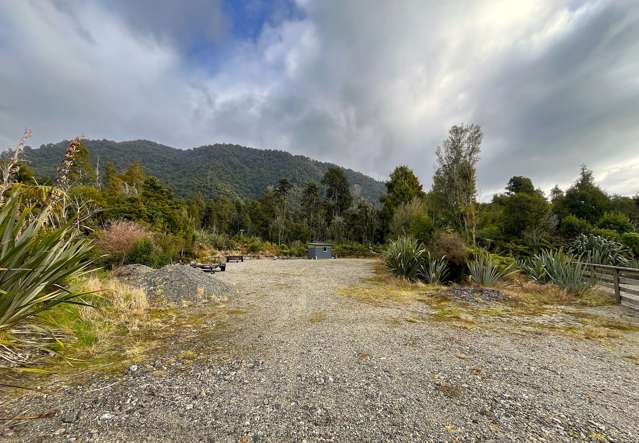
[176, 283]
[476, 295]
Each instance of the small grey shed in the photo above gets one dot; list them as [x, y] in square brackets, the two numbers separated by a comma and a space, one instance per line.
[320, 250]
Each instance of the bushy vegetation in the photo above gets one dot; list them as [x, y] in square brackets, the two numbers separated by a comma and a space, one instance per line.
[50, 223]
[599, 250]
[555, 266]
[404, 258]
[36, 262]
[484, 270]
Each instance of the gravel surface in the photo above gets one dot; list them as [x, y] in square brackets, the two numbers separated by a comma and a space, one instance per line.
[177, 283]
[302, 363]
[476, 295]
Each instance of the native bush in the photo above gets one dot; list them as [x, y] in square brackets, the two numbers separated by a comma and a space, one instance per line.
[599, 250]
[484, 270]
[118, 239]
[631, 241]
[566, 271]
[571, 226]
[433, 270]
[616, 221]
[403, 258]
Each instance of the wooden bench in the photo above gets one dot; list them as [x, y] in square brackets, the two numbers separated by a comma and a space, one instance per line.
[234, 258]
[210, 267]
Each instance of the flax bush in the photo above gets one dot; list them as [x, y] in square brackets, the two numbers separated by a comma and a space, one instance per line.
[403, 258]
[484, 270]
[35, 264]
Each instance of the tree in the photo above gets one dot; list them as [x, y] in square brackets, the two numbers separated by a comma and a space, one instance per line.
[133, 178]
[337, 190]
[411, 220]
[81, 171]
[584, 199]
[454, 184]
[520, 184]
[114, 185]
[362, 222]
[311, 207]
[524, 209]
[402, 188]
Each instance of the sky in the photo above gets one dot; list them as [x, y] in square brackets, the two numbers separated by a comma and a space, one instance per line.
[367, 84]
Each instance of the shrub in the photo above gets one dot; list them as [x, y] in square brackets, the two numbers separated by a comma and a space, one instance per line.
[535, 268]
[451, 246]
[606, 233]
[403, 258]
[352, 249]
[411, 219]
[36, 264]
[572, 226]
[565, 271]
[254, 246]
[484, 270]
[600, 250]
[118, 239]
[433, 270]
[631, 241]
[145, 253]
[615, 221]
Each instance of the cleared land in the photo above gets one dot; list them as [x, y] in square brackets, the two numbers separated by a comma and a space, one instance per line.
[326, 351]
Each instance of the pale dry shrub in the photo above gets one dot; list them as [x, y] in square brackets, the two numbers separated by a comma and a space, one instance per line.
[116, 303]
[119, 238]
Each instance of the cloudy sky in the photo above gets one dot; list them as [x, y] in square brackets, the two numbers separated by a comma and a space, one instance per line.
[364, 83]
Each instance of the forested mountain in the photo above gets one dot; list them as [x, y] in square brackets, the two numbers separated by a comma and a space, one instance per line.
[220, 169]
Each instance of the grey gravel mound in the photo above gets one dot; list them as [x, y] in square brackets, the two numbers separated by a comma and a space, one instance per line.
[176, 283]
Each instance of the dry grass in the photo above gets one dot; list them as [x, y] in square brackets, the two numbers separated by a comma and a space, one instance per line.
[317, 317]
[525, 309]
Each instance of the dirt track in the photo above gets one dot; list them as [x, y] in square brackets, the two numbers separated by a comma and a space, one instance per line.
[301, 362]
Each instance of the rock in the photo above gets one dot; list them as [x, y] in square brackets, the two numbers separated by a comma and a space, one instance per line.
[70, 416]
[133, 368]
[106, 416]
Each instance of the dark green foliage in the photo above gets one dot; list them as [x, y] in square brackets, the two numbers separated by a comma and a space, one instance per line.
[144, 253]
[520, 185]
[402, 188]
[523, 209]
[338, 191]
[571, 226]
[584, 200]
[222, 169]
[615, 221]
[607, 233]
[411, 219]
[631, 240]
[599, 250]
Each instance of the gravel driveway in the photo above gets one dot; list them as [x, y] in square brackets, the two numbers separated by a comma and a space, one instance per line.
[299, 362]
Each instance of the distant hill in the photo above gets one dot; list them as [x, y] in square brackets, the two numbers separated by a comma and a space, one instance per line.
[219, 169]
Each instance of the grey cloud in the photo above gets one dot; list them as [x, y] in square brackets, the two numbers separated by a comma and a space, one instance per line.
[368, 85]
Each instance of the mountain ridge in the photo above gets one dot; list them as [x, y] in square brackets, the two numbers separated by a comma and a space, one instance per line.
[217, 169]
